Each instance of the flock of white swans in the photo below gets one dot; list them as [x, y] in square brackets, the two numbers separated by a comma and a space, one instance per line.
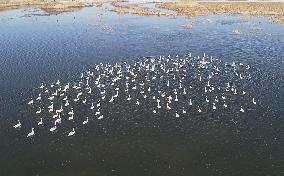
[180, 85]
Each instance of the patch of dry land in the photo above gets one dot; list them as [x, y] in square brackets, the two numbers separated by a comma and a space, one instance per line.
[57, 5]
[135, 8]
[271, 9]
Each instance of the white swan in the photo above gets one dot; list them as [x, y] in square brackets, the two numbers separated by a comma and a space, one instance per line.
[71, 133]
[38, 111]
[253, 101]
[177, 115]
[18, 125]
[40, 122]
[32, 133]
[102, 116]
[31, 102]
[86, 121]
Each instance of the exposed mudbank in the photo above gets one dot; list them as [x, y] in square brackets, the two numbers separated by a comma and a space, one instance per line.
[275, 10]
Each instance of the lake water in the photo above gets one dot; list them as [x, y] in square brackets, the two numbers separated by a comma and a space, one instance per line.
[36, 48]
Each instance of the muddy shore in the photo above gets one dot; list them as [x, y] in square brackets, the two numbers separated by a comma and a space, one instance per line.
[274, 10]
[49, 5]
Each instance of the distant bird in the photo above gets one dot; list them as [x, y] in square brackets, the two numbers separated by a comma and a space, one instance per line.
[42, 86]
[253, 101]
[30, 102]
[32, 133]
[39, 111]
[177, 115]
[18, 125]
[71, 133]
[53, 128]
[40, 122]
[86, 121]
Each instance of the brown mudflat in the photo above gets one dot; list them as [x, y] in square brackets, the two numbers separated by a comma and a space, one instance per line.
[272, 9]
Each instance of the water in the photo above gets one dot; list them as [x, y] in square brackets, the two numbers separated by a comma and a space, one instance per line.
[45, 48]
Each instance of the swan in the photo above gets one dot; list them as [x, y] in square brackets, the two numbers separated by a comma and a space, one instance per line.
[67, 103]
[58, 121]
[50, 110]
[190, 102]
[111, 100]
[31, 102]
[55, 93]
[137, 103]
[176, 99]
[39, 111]
[71, 112]
[71, 133]
[116, 95]
[39, 97]
[86, 121]
[214, 106]
[168, 107]
[50, 106]
[18, 125]
[169, 99]
[40, 122]
[50, 98]
[42, 86]
[59, 110]
[158, 106]
[92, 106]
[177, 115]
[207, 100]
[129, 98]
[242, 110]
[253, 101]
[71, 117]
[32, 133]
[55, 115]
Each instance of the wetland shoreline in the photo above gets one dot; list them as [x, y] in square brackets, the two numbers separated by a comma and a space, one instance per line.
[273, 10]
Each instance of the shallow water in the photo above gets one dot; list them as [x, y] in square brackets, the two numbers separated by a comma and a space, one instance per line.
[40, 49]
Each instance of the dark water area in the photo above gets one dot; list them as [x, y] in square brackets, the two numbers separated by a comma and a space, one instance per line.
[43, 49]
